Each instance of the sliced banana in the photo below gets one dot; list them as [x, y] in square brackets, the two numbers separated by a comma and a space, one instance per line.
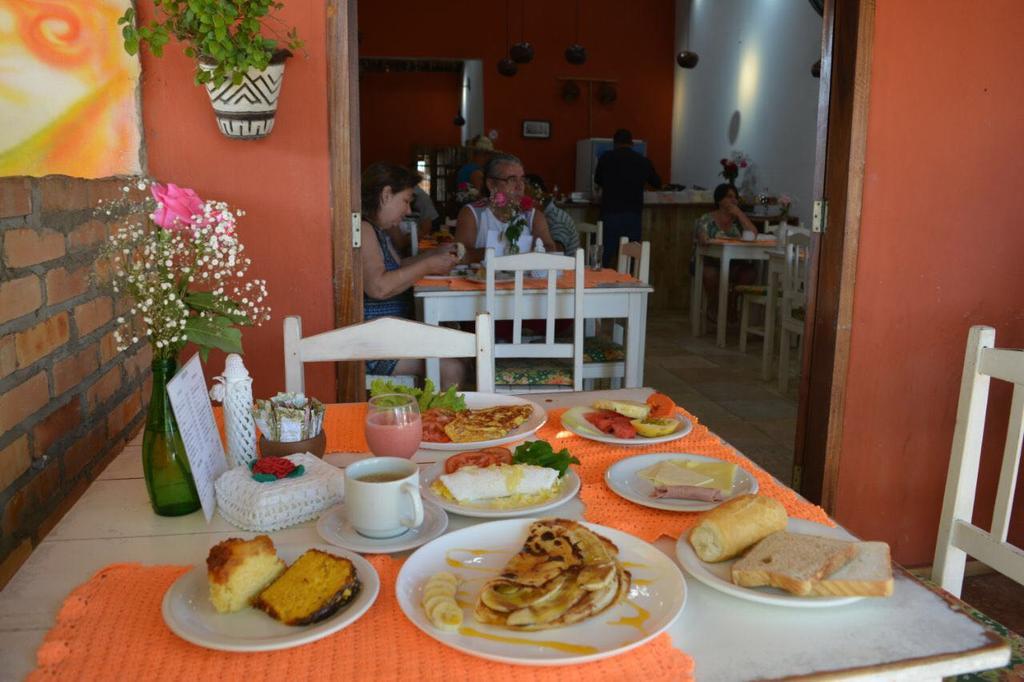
[439, 601]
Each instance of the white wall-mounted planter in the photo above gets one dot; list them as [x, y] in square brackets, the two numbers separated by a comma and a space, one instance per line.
[246, 111]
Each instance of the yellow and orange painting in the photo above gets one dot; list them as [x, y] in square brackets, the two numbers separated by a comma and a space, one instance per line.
[68, 102]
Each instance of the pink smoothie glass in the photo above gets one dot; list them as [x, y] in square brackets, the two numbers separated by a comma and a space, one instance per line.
[393, 425]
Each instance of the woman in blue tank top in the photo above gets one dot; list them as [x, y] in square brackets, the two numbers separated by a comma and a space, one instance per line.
[387, 192]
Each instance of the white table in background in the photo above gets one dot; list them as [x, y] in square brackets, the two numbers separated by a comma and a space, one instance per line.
[725, 252]
[912, 635]
[608, 301]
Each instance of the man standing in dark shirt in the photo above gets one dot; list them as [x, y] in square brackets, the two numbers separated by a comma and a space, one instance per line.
[622, 174]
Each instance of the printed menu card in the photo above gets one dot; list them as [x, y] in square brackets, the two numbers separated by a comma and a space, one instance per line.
[194, 413]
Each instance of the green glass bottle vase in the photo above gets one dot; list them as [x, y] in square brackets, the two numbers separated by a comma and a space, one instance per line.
[172, 492]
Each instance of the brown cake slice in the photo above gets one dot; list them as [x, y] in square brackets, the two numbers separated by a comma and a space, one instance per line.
[311, 589]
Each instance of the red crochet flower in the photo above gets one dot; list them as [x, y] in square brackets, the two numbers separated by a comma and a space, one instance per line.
[278, 467]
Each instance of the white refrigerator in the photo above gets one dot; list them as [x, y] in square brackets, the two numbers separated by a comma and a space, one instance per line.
[588, 152]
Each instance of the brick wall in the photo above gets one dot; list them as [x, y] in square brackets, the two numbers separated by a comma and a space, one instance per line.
[68, 400]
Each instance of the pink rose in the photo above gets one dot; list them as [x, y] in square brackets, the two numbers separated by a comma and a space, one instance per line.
[176, 206]
[500, 199]
[743, 164]
[463, 186]
[526, 203]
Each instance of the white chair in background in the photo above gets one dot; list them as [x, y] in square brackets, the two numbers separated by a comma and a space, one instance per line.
[386, 338]
[793, 300]
[635, 260]
[958, 537]
[518, 361]
[590, 233]
[757, 295]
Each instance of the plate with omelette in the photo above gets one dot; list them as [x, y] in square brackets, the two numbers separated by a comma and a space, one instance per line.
[678, 481]
[489, 419]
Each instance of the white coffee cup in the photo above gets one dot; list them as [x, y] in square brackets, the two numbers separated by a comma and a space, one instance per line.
[749, 236]
[382, 496]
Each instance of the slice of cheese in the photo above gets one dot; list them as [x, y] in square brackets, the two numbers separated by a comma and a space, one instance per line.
[685, 472]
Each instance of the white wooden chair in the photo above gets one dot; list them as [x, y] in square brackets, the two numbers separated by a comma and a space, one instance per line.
[793, 301]
[757, 295]
[958, 537]
[535, 306]
[635, 260]
[590, 233]
[386, 338]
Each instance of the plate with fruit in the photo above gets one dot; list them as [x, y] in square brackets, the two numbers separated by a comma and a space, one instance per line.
[628, 422]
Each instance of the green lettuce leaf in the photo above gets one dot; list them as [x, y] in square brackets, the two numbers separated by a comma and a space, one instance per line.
[540, 453]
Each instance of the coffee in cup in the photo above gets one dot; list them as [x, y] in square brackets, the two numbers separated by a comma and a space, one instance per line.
[382, 496]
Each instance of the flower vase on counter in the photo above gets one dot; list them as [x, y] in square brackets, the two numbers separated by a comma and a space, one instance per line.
[172, 492]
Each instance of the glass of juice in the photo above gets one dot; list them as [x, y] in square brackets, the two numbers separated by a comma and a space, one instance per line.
[393, 425]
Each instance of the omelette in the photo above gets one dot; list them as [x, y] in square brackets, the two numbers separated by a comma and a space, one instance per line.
[565, 573]
[473, 426]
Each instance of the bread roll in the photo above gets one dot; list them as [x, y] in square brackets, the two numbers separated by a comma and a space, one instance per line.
[730, 528]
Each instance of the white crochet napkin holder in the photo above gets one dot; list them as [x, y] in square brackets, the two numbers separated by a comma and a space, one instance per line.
[255, 506]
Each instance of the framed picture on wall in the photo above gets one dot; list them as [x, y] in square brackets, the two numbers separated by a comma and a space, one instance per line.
[541, 129]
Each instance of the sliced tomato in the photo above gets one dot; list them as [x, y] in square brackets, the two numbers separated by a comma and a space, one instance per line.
[479, 458]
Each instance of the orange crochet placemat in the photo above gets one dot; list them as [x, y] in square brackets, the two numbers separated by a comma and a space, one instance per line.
[608, 509]
[591, 279]
[113, 623]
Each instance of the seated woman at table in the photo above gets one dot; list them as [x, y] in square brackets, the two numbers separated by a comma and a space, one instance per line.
[727, 221]
[560, 224]
[388, 279]
[481, 224]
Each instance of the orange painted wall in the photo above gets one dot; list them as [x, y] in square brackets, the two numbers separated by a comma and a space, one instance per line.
[940, 250]
[632, 43]
[280, 181]
[400, 110]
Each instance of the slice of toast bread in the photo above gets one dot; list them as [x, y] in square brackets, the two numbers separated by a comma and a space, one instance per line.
[791, 561]
[869, 574]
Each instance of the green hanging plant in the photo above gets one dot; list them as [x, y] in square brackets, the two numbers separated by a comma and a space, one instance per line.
[227, 36]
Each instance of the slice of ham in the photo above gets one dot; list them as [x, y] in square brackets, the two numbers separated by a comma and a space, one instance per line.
[687, 492]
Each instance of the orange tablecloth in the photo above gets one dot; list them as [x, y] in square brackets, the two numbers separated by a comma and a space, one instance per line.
[111, 628]
[591, 279]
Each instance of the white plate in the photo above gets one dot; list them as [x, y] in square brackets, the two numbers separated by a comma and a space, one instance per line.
[569, 485]
[334, 527]
[190, 615]
[477, 401]
[623, 480]
[658, 588]
[719, 575]
[574, 420]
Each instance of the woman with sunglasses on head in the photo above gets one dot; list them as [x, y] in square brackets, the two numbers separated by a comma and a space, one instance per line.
[478, 227]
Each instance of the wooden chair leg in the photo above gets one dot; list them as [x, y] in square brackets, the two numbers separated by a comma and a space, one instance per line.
[783, 360]
[744, 322]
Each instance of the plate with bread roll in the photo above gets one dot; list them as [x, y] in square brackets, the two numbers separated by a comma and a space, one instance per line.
[253, 596]
[678, 481]
[749, 548]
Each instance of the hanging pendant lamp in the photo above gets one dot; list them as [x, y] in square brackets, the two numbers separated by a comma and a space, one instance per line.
[507, 67]
[576, 54]
[522, 52]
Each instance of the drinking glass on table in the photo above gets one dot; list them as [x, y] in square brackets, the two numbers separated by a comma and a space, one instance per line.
[595, 253]
[393, 425]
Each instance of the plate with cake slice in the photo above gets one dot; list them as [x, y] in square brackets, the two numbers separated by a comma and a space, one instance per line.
[252, 596]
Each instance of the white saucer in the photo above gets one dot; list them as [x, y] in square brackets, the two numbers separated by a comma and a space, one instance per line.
[334, 527]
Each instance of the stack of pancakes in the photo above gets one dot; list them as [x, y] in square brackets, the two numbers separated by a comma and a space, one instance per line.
[564, 573]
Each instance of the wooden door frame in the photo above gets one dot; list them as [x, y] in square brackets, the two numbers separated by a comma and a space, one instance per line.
[848, 31]
[343, 138]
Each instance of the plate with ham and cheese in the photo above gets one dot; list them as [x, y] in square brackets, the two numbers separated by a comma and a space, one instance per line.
[625, 422]
[678, 481]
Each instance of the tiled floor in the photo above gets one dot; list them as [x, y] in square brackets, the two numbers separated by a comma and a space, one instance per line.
[724, 389]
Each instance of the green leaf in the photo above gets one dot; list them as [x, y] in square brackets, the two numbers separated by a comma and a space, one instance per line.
[214, 333]
[540, 453]
[222, 305]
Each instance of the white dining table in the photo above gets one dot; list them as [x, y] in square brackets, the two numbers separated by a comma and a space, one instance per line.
[725, 252]
[912, 635]
[620, 300]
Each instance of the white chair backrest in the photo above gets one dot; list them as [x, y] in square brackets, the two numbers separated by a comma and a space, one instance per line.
[590, 233]
[958, 537]
[540, 306]
[635, 259]
[780, 230]
[794, 277]
[385, 338]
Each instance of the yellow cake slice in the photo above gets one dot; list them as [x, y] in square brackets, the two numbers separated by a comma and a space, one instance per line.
[238, 570]
[311, 589]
